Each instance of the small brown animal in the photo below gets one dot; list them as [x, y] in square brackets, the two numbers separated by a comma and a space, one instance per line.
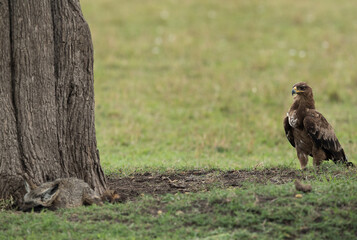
[61, 193]
[309, 132]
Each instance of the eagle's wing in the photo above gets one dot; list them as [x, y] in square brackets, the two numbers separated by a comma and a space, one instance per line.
[289, 131]
[323, 135]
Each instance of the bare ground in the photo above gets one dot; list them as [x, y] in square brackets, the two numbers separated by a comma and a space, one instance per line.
[135, 185]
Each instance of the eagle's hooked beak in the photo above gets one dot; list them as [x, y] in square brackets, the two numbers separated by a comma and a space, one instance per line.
[295, 90]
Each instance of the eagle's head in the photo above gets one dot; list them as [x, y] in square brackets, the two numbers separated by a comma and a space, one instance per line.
[302, 89]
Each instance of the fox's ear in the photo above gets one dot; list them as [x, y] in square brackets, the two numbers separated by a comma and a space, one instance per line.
[49, 195]
[27, 187]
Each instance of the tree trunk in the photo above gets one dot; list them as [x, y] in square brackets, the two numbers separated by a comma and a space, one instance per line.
[47, 125]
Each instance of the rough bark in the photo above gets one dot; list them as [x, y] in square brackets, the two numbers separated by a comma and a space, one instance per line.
[47, 126]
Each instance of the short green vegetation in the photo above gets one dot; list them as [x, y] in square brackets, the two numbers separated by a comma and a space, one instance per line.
[253, 211]
[197, 84]
[183, 84]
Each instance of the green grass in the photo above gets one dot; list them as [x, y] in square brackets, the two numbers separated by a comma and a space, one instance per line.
[206, 84]
[252, 212]
[195, 84]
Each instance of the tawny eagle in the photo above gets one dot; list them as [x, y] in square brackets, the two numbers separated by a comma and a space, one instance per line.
[309, 132]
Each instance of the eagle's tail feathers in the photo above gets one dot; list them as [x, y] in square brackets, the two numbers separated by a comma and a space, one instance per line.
[343, 159]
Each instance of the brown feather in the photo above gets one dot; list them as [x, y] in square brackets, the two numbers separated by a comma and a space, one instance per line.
[289, 131]
[309, 132]
[323, 136]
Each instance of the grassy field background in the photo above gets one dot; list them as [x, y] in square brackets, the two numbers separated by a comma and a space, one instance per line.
[202, 84]
[183, 84]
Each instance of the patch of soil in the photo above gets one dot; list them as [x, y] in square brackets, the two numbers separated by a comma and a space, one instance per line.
[135, 185]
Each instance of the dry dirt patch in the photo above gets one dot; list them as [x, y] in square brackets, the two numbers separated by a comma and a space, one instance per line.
[133, 186]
